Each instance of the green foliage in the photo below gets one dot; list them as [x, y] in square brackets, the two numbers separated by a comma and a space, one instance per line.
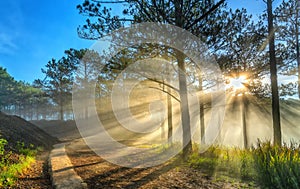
[58, 82]
[286, 17]
[3, 142]
[17, 96]
[10, 171]
[267, 165]
[26, 151]
[277, 167]
[11, 164]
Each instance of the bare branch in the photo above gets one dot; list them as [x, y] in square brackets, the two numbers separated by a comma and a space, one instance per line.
[166, 92]
[161, 82]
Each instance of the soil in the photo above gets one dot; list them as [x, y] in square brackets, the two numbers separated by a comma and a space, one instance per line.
[95, 171]
[63, 130]
[98, 173]
[15, 129]
[36, 176]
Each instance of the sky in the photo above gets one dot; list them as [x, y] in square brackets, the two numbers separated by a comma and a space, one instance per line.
[33, 32]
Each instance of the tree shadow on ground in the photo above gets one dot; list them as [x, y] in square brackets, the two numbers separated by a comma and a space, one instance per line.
[122, 177]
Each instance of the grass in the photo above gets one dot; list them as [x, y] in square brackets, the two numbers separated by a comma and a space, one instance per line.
[277, 167]
[13, 164]
[224, 162]
[266, 165]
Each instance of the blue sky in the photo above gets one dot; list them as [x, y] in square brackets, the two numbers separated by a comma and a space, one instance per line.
[32, 32]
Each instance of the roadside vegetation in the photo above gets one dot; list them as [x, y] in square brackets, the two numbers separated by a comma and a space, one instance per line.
[13, 162]
[265, 166]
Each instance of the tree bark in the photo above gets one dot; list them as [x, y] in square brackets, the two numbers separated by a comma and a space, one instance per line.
[244, 122]
[201, 109]
[274, 83]
[185, 115]
[170, 116]
[85, 82]
[61, 107]
[297, 48]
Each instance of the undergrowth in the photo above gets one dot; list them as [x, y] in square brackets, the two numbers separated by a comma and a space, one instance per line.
[13, 164]
[277, 167]
[265, 165]
[219, 161]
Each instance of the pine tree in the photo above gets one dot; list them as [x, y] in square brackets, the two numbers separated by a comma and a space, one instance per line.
[274, 83]
[189, 15]
[58, 82]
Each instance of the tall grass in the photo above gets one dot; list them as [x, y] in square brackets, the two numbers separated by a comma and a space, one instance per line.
[219, 161]
[266, 165]
[277, 167]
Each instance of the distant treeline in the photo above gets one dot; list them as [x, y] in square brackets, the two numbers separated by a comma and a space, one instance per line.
[51, 97]
[29, 101]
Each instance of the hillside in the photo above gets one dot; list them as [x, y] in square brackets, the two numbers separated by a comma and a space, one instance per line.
[15, 129]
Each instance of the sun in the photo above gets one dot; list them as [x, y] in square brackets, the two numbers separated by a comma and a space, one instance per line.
[238, 83]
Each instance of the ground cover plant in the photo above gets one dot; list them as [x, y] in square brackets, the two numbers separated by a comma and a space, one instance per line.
[14, 162]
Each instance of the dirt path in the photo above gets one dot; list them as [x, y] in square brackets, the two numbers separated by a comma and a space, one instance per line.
[98, 173]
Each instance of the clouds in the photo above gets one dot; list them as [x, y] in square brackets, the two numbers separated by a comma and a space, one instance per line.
[10, 24]
[7, 44]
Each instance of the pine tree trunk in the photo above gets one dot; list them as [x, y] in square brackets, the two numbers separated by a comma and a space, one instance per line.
[297, 48]
[185, 115]
[170, 116]
[201, 109]
[61, 107]
[274, 84]
[244, 122]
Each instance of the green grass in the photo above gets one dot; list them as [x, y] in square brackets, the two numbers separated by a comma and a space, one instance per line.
[13, 164]
[266, 165]
[277, 167]
[221, 162]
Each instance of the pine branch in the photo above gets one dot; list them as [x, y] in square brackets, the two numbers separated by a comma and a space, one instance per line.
[212, 9]
[109, 2]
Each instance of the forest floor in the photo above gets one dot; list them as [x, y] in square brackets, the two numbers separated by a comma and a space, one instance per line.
[97, 172]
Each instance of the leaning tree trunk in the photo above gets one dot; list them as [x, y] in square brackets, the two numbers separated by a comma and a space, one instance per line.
[274, 83]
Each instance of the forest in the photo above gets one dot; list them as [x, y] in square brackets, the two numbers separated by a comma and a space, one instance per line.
[237, 41]
[174, 77]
